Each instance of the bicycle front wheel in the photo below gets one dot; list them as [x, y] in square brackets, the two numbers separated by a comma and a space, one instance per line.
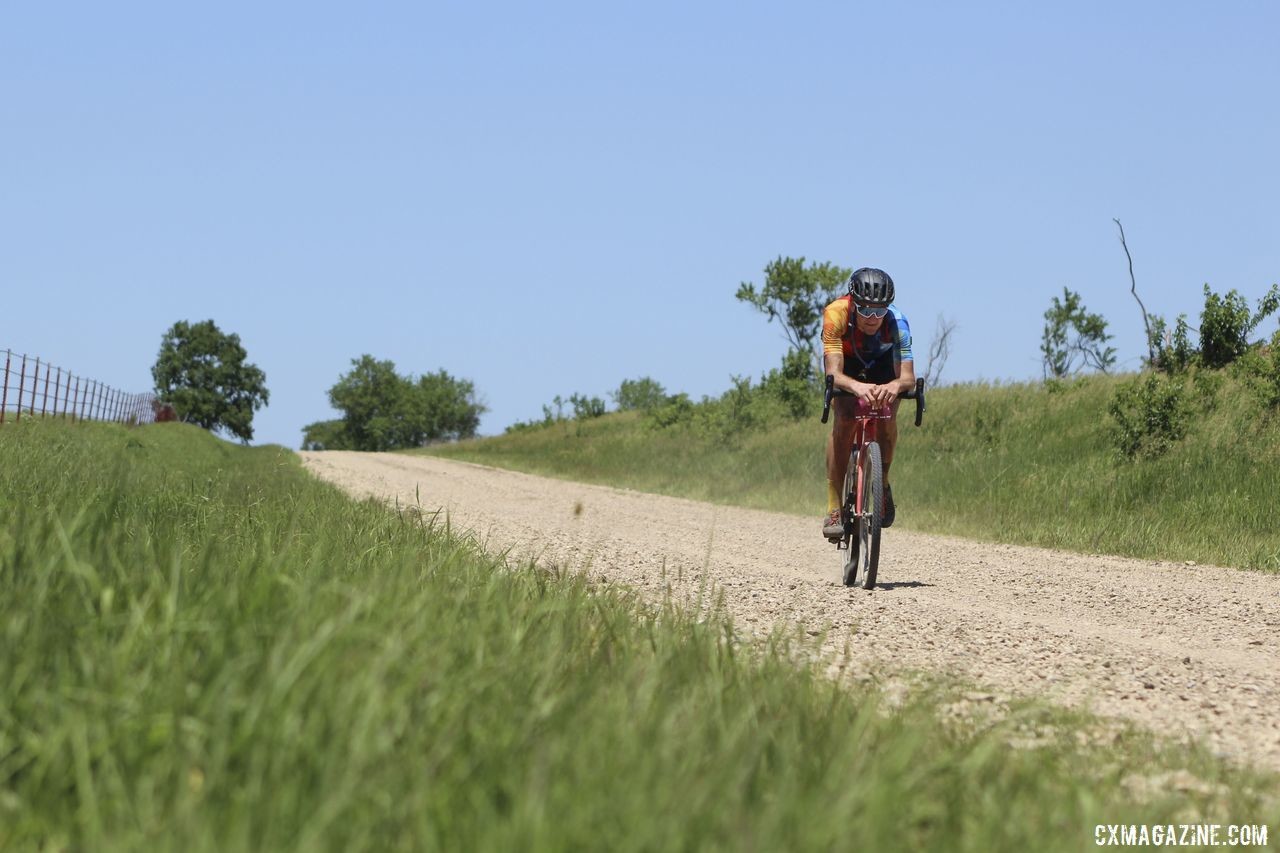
[848, 508]
[868, 532]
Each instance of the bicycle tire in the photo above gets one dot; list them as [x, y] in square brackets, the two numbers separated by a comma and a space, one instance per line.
[849, 553]
[869, 522]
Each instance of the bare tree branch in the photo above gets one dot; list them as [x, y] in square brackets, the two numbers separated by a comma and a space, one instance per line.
[1146, 322]
[939, 351]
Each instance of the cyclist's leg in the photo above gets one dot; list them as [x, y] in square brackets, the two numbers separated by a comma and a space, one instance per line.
[839, 445]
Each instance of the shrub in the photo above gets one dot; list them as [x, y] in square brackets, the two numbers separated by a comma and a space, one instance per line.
[1151, 414]
[675, 411]
[790, 391]
[585, 407]
[1174, 352]
[737, 411]
[1260, 369]
[640, 395]
[794, 385]
[325, 435]
[1225, 326]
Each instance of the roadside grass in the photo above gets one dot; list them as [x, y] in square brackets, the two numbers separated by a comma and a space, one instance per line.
[1018, 463]
[207, 649]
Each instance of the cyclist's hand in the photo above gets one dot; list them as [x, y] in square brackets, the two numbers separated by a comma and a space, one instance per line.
[863, 391]
[881, 395]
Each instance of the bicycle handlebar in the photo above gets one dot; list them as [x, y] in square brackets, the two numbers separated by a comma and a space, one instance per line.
[832, 392]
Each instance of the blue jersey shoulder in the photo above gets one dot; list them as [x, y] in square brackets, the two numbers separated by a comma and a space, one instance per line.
[902, 334]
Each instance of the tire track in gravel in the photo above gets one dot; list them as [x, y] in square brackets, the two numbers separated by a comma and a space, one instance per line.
[1179, 648]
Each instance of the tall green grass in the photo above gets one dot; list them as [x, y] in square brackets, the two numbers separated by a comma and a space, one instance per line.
[1021, 463]
[205, 649]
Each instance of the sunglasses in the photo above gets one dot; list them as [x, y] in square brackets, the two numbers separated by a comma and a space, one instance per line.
[871, 312]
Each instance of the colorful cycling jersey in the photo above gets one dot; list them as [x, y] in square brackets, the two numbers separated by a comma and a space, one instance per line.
[839, 335]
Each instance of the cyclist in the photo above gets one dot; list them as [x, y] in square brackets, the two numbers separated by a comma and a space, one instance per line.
[866, 344]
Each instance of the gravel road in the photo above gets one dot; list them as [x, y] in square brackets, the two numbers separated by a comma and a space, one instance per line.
[1180, 648]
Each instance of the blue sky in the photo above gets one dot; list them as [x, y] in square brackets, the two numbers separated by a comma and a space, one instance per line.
[551, 198]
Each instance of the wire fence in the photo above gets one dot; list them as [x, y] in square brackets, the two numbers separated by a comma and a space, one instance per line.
[33, 388]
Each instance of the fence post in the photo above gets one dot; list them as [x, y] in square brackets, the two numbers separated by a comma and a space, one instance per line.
[57, 389]
[22, 386]
[35, 386]
[75, 403]
[4, 396]
[44, 401]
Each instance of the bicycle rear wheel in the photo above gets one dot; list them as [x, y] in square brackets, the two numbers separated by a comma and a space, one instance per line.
[868, 531]
[848, 497]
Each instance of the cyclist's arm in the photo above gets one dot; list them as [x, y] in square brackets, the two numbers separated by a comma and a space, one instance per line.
[906, 380]
[906, 366]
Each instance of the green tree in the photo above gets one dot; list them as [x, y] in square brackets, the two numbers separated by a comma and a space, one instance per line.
[639, 395]
[382, 410]
[795, 295]
[372, 398]
[325, 435]
[1226, 324]
[1073, 338]
[201, 371]
[793, 385]
[446, 408]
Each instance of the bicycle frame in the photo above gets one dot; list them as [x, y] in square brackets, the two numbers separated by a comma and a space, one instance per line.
[865, 431]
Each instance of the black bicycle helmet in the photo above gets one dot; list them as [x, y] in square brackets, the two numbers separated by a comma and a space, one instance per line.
[870, 286]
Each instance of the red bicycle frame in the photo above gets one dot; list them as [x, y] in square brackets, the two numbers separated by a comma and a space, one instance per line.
[865, 431]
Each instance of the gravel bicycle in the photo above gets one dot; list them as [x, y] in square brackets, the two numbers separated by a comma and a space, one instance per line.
[862, 495]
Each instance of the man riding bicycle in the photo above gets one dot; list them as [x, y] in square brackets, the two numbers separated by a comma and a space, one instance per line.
[866, 344]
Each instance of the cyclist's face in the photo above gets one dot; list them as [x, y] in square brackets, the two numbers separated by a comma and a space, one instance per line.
[868, 325]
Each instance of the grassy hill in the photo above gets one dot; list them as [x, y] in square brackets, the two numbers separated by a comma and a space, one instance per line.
[207, 649]
[1026, 463]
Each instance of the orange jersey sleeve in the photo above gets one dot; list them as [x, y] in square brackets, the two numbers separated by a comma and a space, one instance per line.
[835, 322]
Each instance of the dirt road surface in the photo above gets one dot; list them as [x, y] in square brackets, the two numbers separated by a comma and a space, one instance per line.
[1185, 650]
